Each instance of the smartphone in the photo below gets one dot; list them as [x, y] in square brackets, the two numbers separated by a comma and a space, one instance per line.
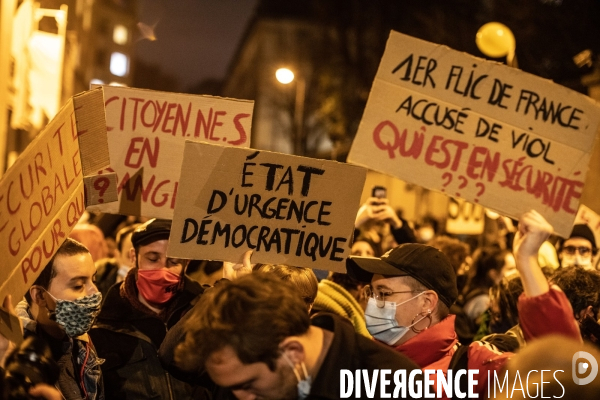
[379, 192]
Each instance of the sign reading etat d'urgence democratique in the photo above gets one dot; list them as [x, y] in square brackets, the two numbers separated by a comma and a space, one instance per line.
[286, 209]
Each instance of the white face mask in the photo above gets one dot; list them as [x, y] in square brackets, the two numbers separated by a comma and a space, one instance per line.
[576, 260]
[382, 324]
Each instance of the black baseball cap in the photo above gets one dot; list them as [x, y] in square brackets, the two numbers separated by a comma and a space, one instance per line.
[151, 231]
[426, 264]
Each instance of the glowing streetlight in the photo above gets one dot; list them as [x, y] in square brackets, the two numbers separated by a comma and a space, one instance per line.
[284, 75]
[497, 40]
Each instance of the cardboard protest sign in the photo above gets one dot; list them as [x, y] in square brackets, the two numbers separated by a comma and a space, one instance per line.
[287, 209]
[592, 219]
[478, 130]
[42, 194]
[147, 132]
[465, 218]
[591, 189]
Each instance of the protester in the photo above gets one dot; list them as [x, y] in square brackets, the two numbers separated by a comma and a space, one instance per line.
[136, 316]
[579, 249]
[113, 270]
[377, 221]
[362, 246]
[342, 295]
[92, 238]
[582, 288]
[459, 254]
[303, 279]
[255, 338]
[61, 306]
[487, 269]
[421, 279]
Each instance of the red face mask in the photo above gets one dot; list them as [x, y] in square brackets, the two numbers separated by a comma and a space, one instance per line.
[157, 285]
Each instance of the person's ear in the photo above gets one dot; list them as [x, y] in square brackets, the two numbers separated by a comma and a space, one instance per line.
[430, 301]
[132, 257]
[37, 295]
[294, 350]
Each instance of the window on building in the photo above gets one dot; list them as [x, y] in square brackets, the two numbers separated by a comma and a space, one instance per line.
[120, 34]
[101, 58]
[119, 64]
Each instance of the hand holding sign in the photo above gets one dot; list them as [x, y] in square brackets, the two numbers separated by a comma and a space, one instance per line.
[478, 130]
[533, 231]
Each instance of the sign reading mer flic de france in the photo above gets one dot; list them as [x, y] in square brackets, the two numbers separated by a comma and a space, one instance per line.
[478, 130]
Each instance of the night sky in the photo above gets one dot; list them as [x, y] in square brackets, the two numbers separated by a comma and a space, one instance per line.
[195, 39]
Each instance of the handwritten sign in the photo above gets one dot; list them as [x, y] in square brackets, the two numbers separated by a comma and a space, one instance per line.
[589, 217]
[147, 132]
[287, 209]
[478, 130]
[592, 182]
[465, 218]
[42, 194]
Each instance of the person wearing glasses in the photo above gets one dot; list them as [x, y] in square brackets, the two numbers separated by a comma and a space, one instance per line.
[579, 249]
[414, 285]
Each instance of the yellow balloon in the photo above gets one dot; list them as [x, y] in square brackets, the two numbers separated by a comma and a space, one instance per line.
[495, 40]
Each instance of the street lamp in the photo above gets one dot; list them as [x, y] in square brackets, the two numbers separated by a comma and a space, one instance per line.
[286, 76]
[497, 40]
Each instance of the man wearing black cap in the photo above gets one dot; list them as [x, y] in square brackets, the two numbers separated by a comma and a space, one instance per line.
[414, 285]
[136, 315]
[579, 249]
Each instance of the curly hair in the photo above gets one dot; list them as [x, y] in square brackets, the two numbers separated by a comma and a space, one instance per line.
[581, 286]
[252, 314]
[507, 293]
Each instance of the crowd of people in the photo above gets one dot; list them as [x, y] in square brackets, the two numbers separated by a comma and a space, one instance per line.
[119, 319]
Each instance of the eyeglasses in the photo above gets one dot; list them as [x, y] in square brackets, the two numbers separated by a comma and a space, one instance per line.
[380, 296]
[584, 251]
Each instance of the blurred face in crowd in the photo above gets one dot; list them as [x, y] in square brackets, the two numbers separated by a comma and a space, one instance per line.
[362, 249]
[124, 256]
[510, 265]
[413, 307]
[154, 256]
[576, 252]
[251, 381]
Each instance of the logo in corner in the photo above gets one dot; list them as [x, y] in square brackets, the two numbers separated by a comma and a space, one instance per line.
[581, 367]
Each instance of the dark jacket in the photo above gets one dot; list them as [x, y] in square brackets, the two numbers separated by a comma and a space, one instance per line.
[348, 350]
[128, 339]
[352, 351]
[73, 365]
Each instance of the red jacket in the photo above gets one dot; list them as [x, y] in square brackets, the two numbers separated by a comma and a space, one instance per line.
[540, 315]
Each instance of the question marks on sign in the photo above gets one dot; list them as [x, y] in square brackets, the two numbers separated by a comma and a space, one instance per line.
[463, 182]
[481, 187]
[447, 175]
[101, 184]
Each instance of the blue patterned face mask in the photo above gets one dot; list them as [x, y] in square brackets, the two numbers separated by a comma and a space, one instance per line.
[76, 316]
[382, 324]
